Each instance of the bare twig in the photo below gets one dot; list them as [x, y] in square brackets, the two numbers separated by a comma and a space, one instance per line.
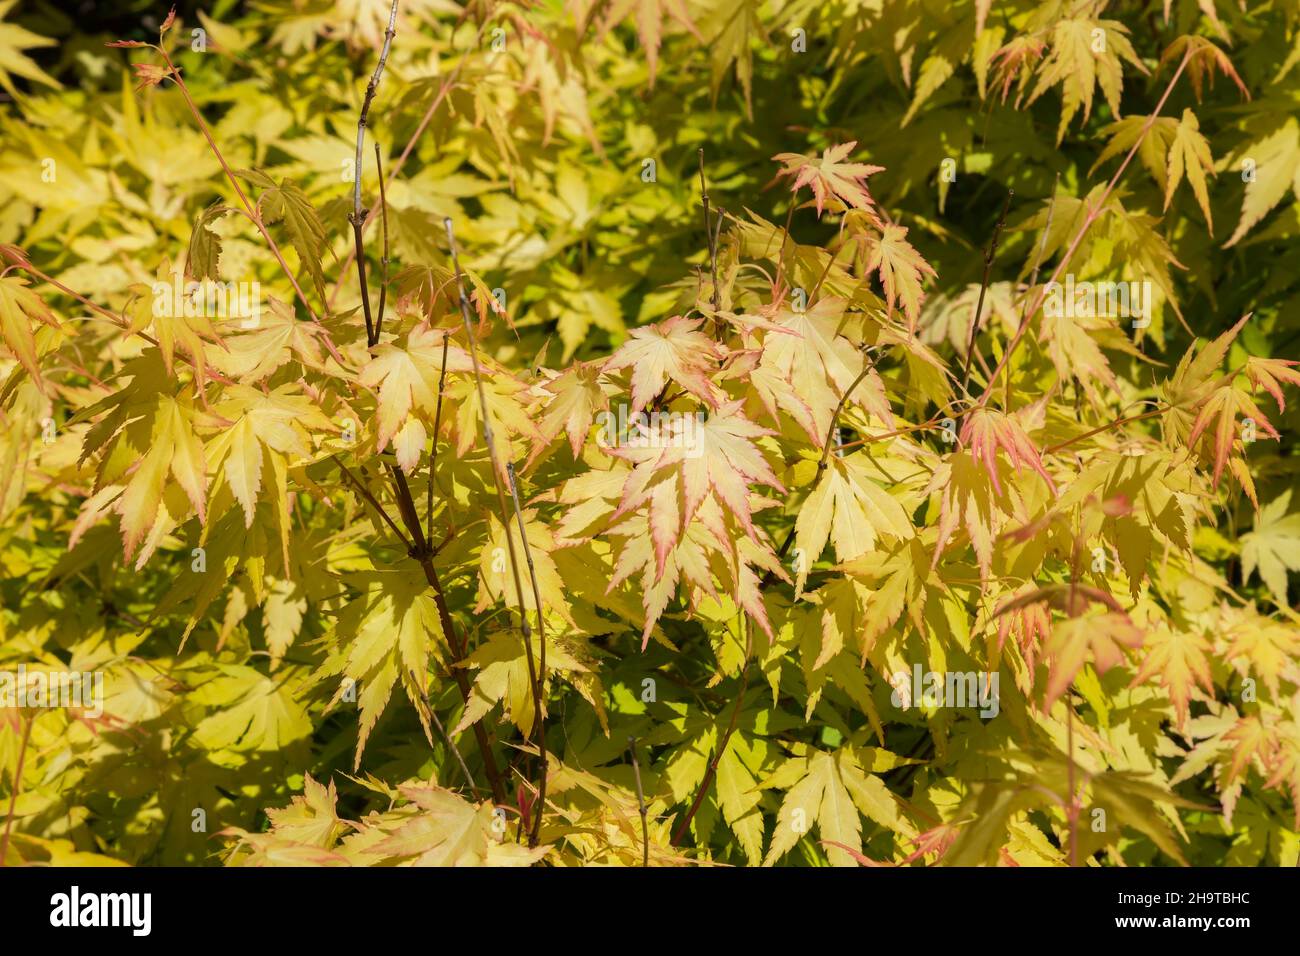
[640, 802]
[989, 254]
[374, 503]
[541, 634]
[383, 278]
[357, 217]
[17, 786]
[534, 676]
[1094, 212]
[835, 417]
[437, 424]
[722, 744]
[249, 208]
[708, 231]
[1155, 413]
[443, 89]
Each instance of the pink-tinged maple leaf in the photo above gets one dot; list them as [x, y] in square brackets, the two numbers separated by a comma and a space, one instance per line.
[899, 265]
[830, 176]
[670, 350]
[1105, 635]
[1270, 374]
[149, 75]
[577, 397]
[1180, 659]
[716, 456]
[985, 431]
[1028, 624]
[1204, 59]
[1225, 403]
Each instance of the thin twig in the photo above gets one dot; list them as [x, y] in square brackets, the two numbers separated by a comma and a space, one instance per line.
[365, 493]
[383, 279]
[451, 745]
[248, 206]
[989, 254]
[437, 424]
[835, 417]
[722, 744]
[17, 787]
[541, 636]
[640, 802]
[357, 216]
[1107, 427]
[1094, 212]
[443, 89]
[534, 677]
[708, 231]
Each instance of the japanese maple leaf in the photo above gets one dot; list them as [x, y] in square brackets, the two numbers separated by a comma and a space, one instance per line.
[1225, 403]
[852, 510]
[1029, 624]
[968, 501]
[1270, 374]
[577, 396]
[408, 377]
[1104, 635]
[707, 549]
[987, 431]
[1075, 63]
[1189, 153]
[1273, 547]
[830, 176]
[18, 305]
[715, 457]
[818, 364]
[899, 266]
[173, 449]
[670, 350]
[650, 15]
[1204, 60]
[1179, 657]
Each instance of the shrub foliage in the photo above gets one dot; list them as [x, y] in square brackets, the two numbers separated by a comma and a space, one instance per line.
[754, 432]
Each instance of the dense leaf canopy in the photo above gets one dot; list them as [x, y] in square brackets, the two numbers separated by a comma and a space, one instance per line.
[851, 432]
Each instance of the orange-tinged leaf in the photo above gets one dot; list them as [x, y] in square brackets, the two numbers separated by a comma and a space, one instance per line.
[18, 305]
[830, 177]
[899, 266]
[673, 350]
[987, 431]
[1103, 635]
[1179, 658]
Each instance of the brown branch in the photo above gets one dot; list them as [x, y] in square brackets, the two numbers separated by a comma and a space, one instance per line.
[383, 279]
[835, 417]
[534, 676]
[437, 424]
[356, 216]
[443, 89]
[1155, 413]
[365, 493]
[541, 635]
